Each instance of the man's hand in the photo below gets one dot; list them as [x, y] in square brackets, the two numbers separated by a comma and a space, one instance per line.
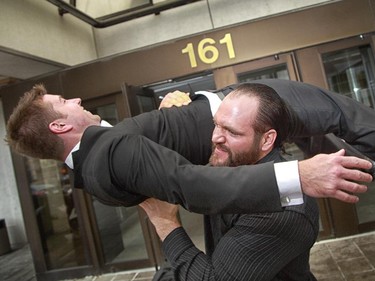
[334, 175]
[175, 98]
[163, 216]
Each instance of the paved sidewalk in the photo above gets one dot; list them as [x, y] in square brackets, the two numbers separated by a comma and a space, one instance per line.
[120, 276]
[343, 259]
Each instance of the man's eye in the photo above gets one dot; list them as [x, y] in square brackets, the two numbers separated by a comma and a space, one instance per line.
[233, 133]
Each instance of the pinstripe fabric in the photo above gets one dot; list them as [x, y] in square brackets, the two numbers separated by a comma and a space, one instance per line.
[263, 246]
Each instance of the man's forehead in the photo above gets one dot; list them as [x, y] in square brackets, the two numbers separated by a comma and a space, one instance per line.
[237, 111]
[52, 98]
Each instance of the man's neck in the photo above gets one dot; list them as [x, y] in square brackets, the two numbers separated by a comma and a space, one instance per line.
[70, 144]
[269, 156]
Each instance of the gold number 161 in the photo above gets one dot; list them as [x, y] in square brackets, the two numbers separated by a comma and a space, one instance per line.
[207, 52]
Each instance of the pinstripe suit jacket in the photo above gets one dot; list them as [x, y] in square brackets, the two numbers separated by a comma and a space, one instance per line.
[261, 246]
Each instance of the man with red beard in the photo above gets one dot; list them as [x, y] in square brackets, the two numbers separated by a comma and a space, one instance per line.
[251, 125]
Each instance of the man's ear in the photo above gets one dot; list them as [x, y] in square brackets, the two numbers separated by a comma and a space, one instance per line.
[269, 139]
[59, 127]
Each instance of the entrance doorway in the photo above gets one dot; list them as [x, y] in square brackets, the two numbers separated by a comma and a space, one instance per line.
[346, 67]
[120, 234]
[350, 72]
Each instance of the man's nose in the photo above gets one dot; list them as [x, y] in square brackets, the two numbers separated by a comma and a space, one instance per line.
[217, 136]
[76, 100]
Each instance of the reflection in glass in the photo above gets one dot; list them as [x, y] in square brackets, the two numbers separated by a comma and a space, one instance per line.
[120, 233]
[351, 72]
[276, 72]
[107, 113]
[55, 213]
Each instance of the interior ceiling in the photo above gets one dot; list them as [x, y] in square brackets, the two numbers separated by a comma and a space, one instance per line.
[15, 67]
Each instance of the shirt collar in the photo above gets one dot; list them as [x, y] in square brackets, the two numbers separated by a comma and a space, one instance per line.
[69, 158]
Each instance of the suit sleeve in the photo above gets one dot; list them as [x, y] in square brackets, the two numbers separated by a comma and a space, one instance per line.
[257, 248]
[137, 165]
[319, 112]
[186, 130]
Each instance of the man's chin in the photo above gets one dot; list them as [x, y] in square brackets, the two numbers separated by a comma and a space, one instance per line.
[219, 162]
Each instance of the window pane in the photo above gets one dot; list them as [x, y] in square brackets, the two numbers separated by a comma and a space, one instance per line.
[351, 73]
[278, 71]
[120, 233]
[55, 213]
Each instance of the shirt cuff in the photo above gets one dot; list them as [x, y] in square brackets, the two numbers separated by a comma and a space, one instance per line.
[287, 178]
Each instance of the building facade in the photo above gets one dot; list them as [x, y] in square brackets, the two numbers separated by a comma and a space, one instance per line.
[124, 69]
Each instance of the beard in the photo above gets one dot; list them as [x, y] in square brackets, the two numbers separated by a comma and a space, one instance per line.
[233, 159]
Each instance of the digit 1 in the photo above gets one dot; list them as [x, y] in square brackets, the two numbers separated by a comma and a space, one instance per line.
[227, 39]
[190, 51]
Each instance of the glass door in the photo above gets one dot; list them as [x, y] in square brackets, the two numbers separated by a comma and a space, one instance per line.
[281, 66]
[346, 67]
[56, 216]
[350, 72]
[121, 237]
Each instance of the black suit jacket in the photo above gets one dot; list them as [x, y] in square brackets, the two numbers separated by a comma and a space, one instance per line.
[317, 111]
[125, 164]
[133, 160]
